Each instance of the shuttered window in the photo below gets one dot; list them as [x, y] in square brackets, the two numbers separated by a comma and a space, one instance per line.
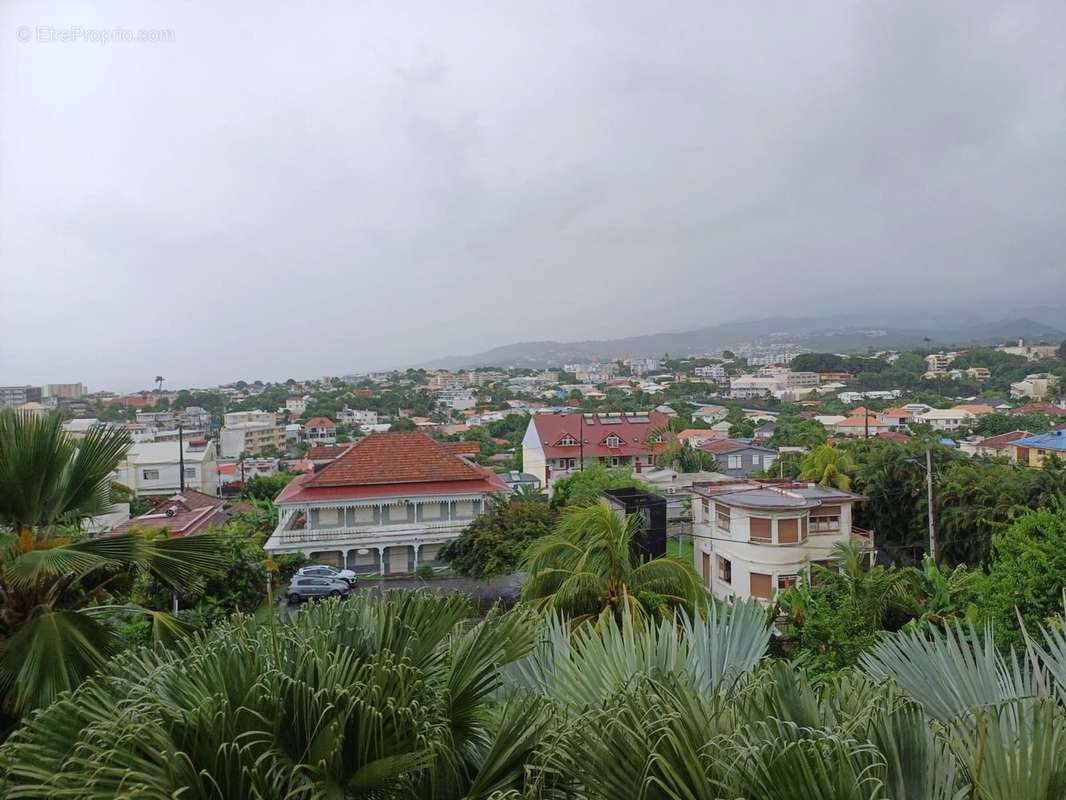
[760, 585]
[787, 531]
[760, 530]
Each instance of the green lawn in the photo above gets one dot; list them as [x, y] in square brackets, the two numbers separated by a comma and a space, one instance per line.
[682, 551]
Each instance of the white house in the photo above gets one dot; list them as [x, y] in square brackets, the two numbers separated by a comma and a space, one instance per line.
[153, 468]
[754, 539]
[384, 506]
[357, 416]
[320, 430]
[945, 419]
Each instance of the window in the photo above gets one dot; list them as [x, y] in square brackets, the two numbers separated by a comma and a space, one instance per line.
[706, 510]
[432, 511]
[656, 439]
[613, 441]
[734, 462]
[786, 581]
[150, 474]
[826, 518]
[760, 585]
[190, 472]
[761, 530]
[567, 441]
[725, 570]
[363, 515]
[722, 516]
[787, 531]
[615, 461]
[329, 516]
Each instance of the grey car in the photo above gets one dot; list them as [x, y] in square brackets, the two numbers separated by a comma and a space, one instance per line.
[307, 587]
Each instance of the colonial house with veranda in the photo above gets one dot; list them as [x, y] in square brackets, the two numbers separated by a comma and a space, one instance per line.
[385, 506]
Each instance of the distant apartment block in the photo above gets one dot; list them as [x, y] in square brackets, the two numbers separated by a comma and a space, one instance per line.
[1033, 352]
[257, 416]
[357, 416]
[1035, 387]
[251, 432]
[296, 405]
[712, 371]
[65, 391]
[938, 363]
[15, 396]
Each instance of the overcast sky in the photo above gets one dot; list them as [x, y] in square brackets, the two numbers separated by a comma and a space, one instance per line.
[299, 189]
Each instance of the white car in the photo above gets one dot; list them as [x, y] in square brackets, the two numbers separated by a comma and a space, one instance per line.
[324, 571]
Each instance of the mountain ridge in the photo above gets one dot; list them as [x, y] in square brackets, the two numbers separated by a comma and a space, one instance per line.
[844, 333]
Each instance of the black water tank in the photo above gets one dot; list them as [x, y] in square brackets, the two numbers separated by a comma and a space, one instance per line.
[650, 542]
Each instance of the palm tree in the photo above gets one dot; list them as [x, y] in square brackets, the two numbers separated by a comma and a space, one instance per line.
[402, 696]
[382, 696]
[52, 632]
[159, 382]
[828, 466]
[588, 570]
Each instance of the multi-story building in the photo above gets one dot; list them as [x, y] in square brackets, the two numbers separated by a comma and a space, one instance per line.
[154, 468]
[938, 363]
[195, 417]
[1036, 386]
[712, 371]
[357, 416]
[1033, 352]
[320, 430]
[65, 391]
[156, 419]
[296, 405]
[257, 416]
[559, 443]
[754, 539]
[15, 396]
[385, 506]
[252, 438]
[457, 398]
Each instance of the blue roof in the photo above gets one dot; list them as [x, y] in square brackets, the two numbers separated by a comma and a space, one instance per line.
[1052, 440]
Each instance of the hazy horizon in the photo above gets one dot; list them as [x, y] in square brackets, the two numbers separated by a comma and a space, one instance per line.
[268, 192]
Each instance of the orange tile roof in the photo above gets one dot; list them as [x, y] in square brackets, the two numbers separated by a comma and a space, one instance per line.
[463, 448]
[383, 458]
[320, 422]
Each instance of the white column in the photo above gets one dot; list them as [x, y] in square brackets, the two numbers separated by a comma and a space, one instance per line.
[381, 559]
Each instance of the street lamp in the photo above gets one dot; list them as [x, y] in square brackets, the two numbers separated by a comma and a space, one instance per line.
[928, 467]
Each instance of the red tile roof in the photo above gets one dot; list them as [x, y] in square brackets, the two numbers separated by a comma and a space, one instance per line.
[633, 432]
[1002, 440]
[893, 436]
[298, 490]
[327, 452]
[181, 515]
[463, 448]
[386, 458]
[320, 422]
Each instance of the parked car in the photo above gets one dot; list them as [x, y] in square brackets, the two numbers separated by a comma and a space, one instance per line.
[325, 571]
[309, 587]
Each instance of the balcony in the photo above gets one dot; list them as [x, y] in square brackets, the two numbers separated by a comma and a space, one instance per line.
[863, 538]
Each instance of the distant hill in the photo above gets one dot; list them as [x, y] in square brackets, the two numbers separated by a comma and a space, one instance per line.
[844, 334]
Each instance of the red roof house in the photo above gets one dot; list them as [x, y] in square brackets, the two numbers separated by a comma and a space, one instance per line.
[387, 503]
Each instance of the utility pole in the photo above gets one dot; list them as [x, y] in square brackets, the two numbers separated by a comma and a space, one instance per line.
[581, 438]
[181, 458]
[929, 499]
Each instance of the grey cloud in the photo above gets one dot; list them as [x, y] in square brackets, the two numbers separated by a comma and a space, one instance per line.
[286, 191]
